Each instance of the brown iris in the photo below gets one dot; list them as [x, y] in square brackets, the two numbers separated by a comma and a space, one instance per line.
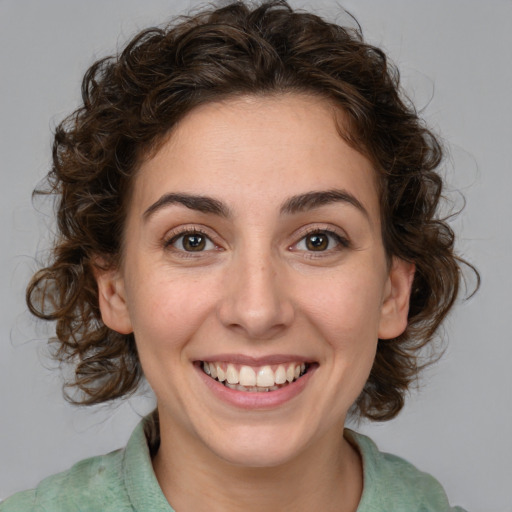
[194, 242]
[317, 242]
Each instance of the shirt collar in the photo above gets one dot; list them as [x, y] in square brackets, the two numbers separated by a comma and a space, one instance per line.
[139, 478]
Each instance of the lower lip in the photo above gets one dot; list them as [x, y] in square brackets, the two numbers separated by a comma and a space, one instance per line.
[257, 400]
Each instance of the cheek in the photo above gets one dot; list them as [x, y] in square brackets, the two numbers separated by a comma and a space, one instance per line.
[346, 316]
[167, 310]
[348, 307]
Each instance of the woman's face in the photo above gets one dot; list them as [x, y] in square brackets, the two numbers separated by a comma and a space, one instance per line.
[253, 252]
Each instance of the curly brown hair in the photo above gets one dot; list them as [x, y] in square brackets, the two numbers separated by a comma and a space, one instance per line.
[132, 100]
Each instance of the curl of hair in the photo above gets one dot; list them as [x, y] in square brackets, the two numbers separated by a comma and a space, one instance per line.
[130, 103]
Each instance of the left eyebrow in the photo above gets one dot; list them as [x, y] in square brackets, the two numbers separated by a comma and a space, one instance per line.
[312, 200]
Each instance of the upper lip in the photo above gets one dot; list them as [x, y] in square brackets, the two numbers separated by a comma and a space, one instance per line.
[256, 361]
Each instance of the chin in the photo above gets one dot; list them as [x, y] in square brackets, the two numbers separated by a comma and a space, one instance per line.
[257, 448]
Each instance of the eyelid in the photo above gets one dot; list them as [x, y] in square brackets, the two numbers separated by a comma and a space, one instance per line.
[333, 231]
[174, 234]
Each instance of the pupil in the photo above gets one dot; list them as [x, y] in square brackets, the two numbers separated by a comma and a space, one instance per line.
[194, 242]
[317, 242]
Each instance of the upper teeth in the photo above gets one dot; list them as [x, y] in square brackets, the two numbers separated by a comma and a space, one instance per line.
[263, 376]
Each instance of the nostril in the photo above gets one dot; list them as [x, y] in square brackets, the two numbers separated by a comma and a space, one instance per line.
[255, 324]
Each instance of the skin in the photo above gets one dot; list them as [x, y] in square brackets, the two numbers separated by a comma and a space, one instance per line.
[259, 288]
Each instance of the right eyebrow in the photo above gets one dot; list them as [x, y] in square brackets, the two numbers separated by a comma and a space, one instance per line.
[202, 204]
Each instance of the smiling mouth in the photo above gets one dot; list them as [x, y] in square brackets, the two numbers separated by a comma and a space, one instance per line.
[255, 379]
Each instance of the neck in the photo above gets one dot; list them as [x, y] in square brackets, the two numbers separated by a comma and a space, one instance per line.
[325, 476]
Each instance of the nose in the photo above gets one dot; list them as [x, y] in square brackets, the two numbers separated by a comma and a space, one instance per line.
[256, 298]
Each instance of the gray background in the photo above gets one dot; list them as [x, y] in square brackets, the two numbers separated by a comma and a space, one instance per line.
[456, 61]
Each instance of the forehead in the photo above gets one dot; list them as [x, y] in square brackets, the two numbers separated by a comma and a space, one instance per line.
[251, 149]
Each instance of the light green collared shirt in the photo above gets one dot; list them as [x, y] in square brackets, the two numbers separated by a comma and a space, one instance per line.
[124, 481]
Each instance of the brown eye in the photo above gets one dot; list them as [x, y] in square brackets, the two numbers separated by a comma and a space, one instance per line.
[194, 242]
[191, 241]
[317, 242]
[321, 241]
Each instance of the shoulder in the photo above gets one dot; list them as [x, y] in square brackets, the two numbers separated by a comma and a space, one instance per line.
[395, 485]
[121, 481]
[90, 485]
[20, 502]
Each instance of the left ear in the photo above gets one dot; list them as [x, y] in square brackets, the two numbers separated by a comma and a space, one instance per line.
[395, 306]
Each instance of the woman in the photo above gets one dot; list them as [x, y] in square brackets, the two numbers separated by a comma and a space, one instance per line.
[248, 218]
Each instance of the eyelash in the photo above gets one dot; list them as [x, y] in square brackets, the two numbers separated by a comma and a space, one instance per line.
[174, 237]
[339, 239]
